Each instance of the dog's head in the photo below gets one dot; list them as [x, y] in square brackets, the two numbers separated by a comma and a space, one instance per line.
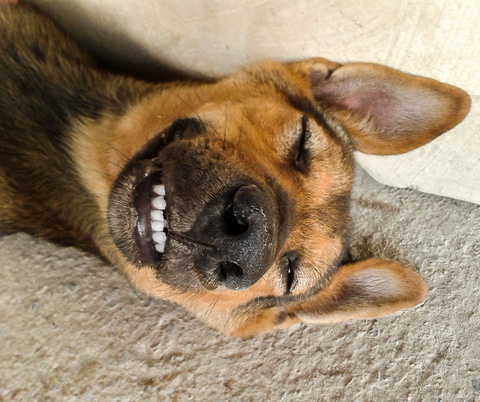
[236, 203]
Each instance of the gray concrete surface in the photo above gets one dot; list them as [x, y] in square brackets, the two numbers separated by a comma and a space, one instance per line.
[72, 329]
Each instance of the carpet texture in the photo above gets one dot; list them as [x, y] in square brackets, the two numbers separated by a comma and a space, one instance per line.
[72, 329]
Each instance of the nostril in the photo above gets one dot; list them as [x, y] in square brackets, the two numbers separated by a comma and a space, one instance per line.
[229, 269]
[234, 225]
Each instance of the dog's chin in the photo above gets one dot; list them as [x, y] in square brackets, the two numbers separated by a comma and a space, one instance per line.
[138, 213]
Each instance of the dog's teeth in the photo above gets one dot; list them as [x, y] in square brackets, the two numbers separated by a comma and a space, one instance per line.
[158, 226]
[159, 237]
[159, 189]
[157, 215]
[159, 202]
[160, 247]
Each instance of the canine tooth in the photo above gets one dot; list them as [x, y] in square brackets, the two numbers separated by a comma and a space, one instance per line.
[159, 189]
[159, 237]
[159, 202]
[158, 226]
[157, 215]
[160, 247]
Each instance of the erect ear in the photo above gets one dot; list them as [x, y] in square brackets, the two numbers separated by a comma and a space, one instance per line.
[385, 111]
[368, 289]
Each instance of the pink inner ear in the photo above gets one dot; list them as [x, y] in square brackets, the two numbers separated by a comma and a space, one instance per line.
[393, 109]
[377, 283]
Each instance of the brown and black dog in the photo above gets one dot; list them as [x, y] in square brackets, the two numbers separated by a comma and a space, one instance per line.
[230, 198]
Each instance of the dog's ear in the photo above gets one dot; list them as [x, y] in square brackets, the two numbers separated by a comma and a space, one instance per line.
[368, 289]
[385, 111]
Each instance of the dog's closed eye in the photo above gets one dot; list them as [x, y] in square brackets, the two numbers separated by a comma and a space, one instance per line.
[300, 151]
[289, 272]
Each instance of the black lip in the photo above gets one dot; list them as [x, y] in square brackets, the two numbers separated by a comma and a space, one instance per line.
[152, 174]
[129, 199]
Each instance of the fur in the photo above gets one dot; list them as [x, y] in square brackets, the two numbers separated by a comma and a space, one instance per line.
[257, 167]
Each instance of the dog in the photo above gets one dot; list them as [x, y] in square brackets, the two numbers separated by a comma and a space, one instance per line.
[230, 198]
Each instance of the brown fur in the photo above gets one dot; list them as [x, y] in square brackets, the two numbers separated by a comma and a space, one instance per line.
[74, 140]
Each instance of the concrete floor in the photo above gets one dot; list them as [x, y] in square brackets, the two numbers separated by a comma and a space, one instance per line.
[72, 329]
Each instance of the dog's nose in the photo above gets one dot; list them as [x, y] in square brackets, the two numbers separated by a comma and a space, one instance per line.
[241, 230]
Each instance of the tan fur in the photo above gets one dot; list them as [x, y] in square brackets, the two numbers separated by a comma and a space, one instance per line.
[230, 107]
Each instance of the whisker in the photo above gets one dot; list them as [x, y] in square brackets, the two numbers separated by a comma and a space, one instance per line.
[185, 239]
[86, 165]
[212, 306]
[86, 134]
[116, 150]
[196, 293]
[192, 109]
[112, 163]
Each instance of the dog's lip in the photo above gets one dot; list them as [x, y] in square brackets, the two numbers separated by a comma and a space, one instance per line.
[151, 175]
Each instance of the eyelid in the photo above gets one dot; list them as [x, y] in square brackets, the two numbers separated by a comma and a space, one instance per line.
[290, 267]
[300, 152]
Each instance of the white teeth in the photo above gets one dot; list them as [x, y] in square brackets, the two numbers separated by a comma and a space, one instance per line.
[159, 237]
[159, 189]
[160, 247]
[159, 203]
[156, 215]
[158, 226]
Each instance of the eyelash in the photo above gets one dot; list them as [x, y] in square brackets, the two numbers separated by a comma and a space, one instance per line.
[289, 272]
[301, 153]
